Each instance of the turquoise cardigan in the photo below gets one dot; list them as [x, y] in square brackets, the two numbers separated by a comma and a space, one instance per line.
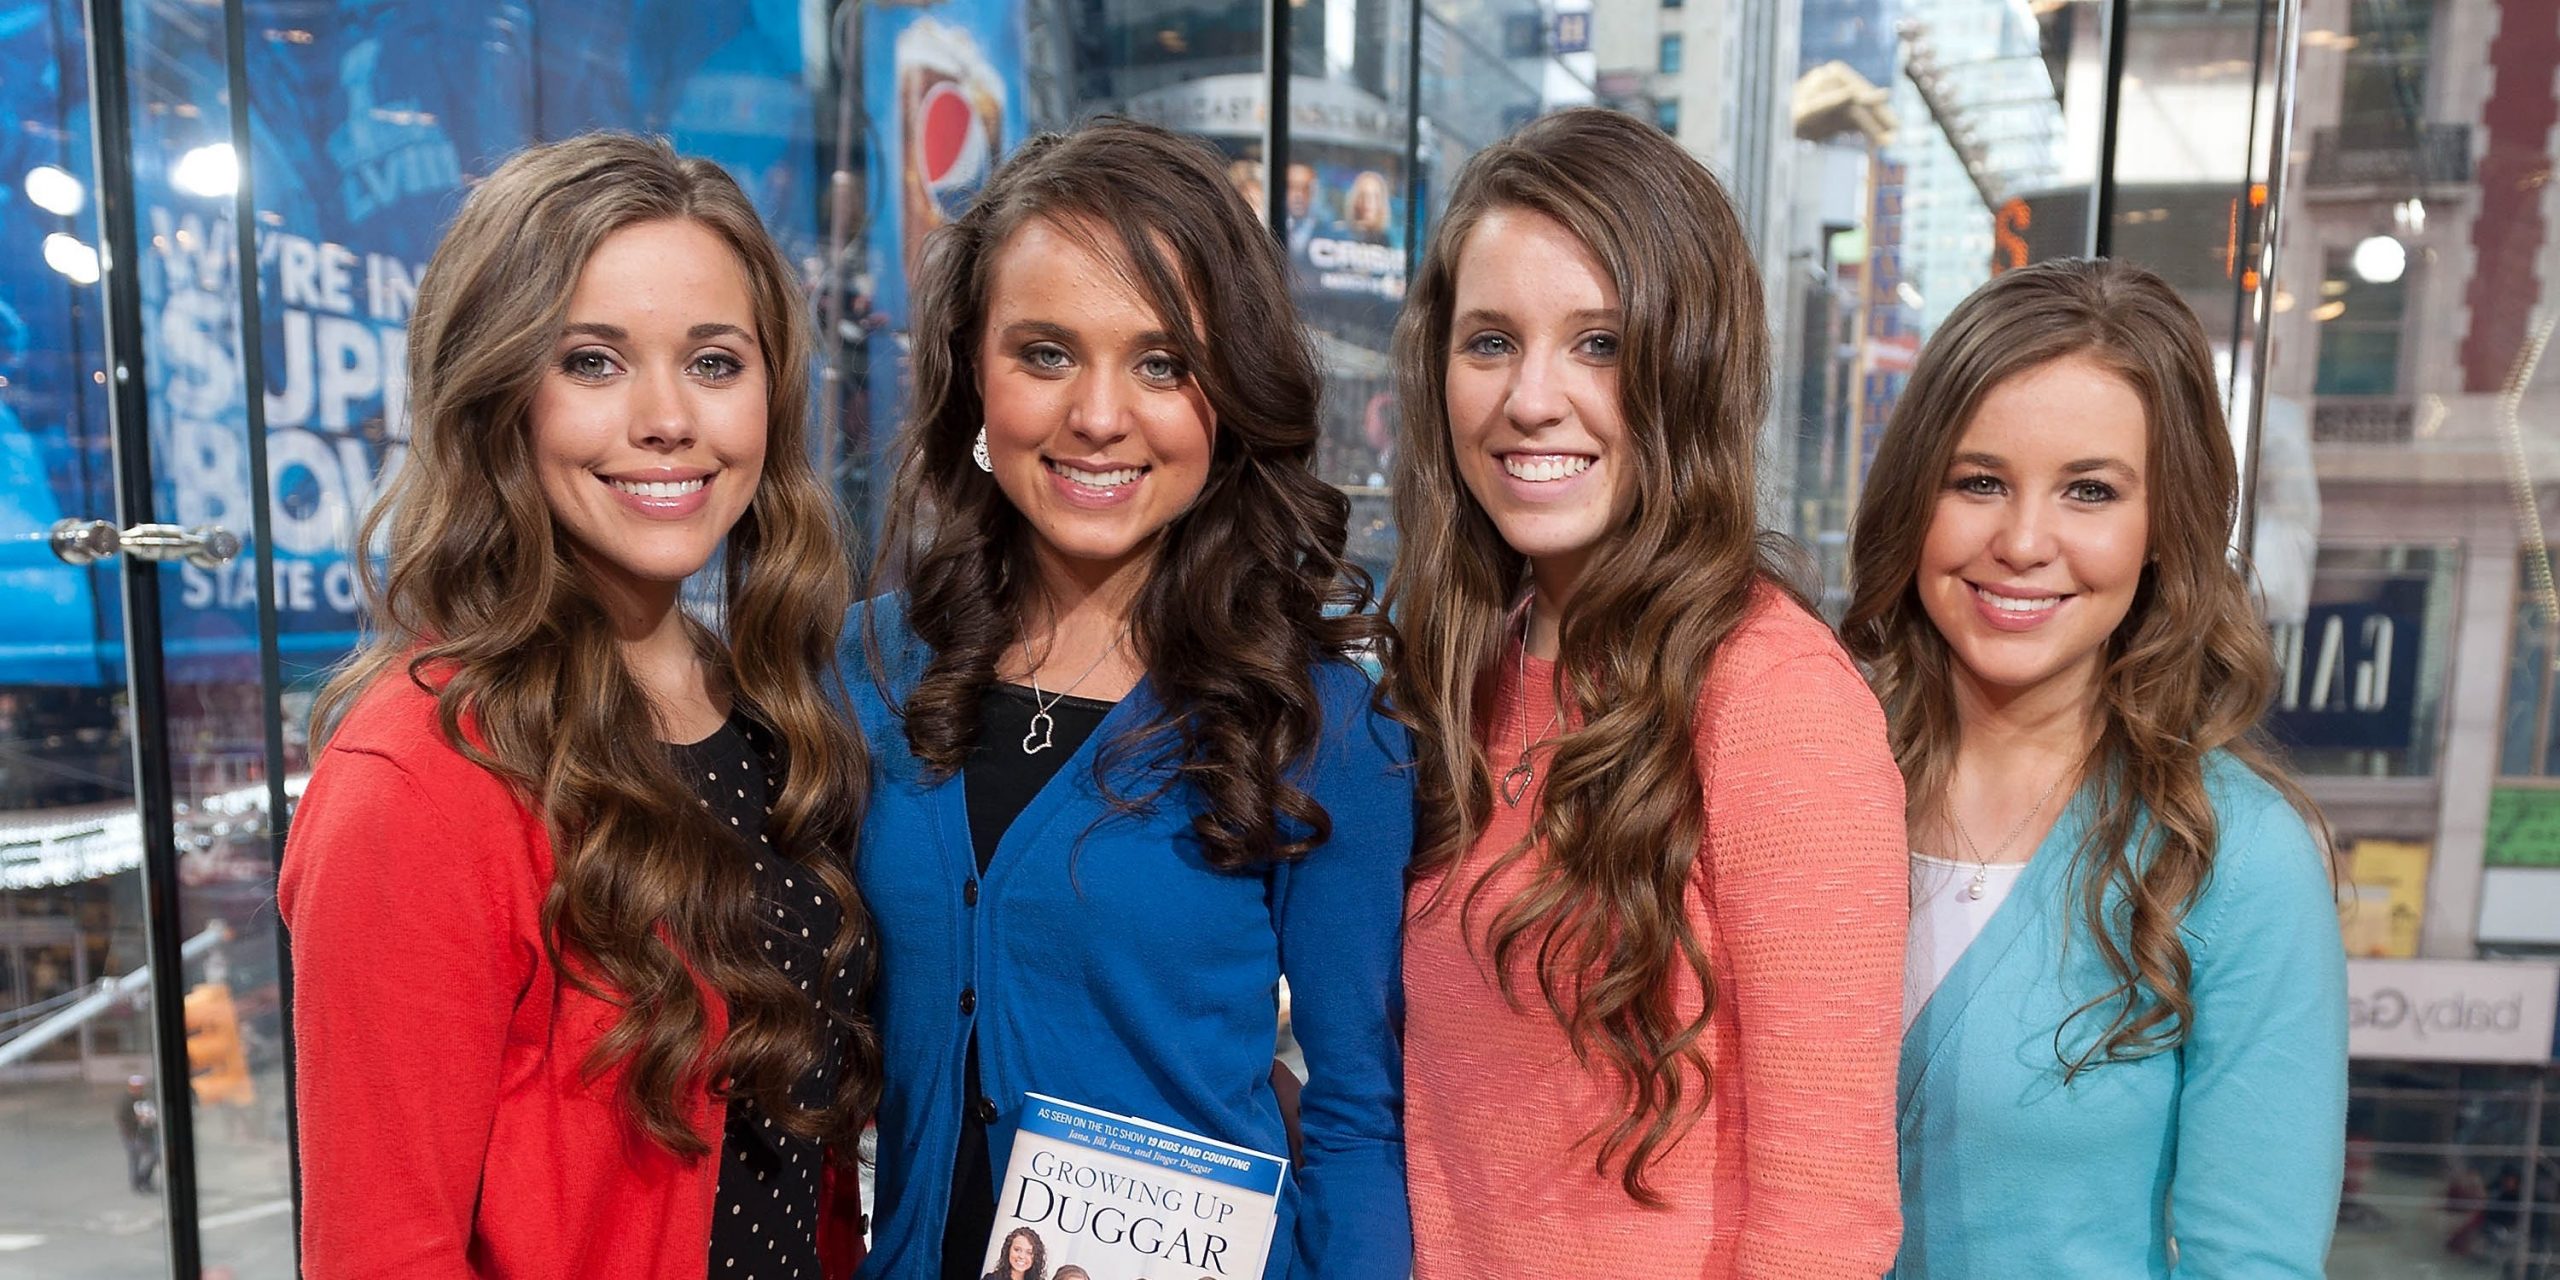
[2220, 1159]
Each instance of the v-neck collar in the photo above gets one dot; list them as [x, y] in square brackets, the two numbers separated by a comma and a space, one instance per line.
[2031, 901]
[1073, 780]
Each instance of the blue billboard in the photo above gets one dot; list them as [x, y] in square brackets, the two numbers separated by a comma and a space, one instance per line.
[368, 121]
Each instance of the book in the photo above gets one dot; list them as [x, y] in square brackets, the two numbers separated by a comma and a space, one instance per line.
[1116, 1197]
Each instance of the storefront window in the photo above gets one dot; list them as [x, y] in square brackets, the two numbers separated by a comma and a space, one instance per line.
[2362, 673]
[2448, 1172]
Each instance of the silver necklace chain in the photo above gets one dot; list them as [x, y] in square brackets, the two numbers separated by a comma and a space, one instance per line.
[1042, 725]
[1516, 779]
[1982, 863]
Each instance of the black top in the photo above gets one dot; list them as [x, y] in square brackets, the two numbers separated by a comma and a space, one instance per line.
[1001, 776]
[765, 1223]
[1000, 780]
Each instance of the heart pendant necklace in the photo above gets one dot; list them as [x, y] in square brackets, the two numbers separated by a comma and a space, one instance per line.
[1523, 771]
[1042, 725]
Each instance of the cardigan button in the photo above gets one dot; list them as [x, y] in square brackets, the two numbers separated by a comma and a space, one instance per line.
[985, 1109]
[968, 1000]
[969, 893]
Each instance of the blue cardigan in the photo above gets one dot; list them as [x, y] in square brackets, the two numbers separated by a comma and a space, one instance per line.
[1106, 963]
[2233, 1145]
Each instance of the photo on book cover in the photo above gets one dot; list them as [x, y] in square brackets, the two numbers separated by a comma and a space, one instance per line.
[1090, 1195]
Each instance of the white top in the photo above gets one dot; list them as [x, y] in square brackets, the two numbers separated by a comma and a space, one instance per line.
[1945, 919]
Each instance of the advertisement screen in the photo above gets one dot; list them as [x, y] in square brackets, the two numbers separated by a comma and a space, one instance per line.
[368, 121]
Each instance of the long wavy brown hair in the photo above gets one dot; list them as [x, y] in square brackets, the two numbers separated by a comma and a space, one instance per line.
[1247, 587]
[1623, 814]
[488, 603]
[2189, 671]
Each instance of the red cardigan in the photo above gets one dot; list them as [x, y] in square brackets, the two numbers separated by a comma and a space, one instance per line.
[445, 1126]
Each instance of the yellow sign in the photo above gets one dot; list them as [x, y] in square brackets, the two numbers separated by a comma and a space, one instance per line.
[2380, 910]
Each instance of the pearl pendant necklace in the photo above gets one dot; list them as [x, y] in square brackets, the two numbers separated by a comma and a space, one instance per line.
[1975, 887]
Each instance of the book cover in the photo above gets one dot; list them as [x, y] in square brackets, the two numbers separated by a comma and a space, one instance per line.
[1090, 1195]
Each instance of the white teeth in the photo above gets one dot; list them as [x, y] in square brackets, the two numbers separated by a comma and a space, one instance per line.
[2008, 604]
[660, 488]
[1111, 479]
[1545, 466]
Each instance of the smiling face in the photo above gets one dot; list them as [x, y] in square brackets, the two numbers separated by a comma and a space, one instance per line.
[1099, 435]
[648, 428]
[1018, 1256]
[2041, 530]
[1532, 390]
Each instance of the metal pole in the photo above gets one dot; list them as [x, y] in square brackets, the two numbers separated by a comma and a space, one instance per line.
[1854, 403]
[2525, 1210]
[1413, 189]
[253, 364]
[2270, 257]
[147, 689]
[844, 198]
[1275, 119]
[2102, 200]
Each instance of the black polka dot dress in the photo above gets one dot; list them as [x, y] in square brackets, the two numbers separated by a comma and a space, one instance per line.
[765, 1221]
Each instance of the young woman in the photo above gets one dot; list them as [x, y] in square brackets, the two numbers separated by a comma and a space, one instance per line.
[1025, 1257]
[577, 955]
[1125, 778]
[2126, 1001]
[1656, 923]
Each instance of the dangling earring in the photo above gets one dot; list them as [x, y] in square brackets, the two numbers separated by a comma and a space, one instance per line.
[978, 452]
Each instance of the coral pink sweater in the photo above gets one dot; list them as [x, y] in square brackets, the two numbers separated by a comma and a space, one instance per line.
[1800, 900]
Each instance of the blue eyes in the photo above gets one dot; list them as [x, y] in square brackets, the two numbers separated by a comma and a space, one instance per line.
[1155, 366]
[1593, 346]
[1985, 485]
[591, 364]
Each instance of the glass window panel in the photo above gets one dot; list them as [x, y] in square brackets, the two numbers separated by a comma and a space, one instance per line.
[80, 1192]
[2530, 726]
[1925, 146]
[2384, 96]
[2357, 360]
[369, 122]
[1348, 224]
[2438, 1157]
[2411, 305]
[186, 173]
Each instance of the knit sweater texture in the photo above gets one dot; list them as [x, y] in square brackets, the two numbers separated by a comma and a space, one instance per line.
[1798, 897]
